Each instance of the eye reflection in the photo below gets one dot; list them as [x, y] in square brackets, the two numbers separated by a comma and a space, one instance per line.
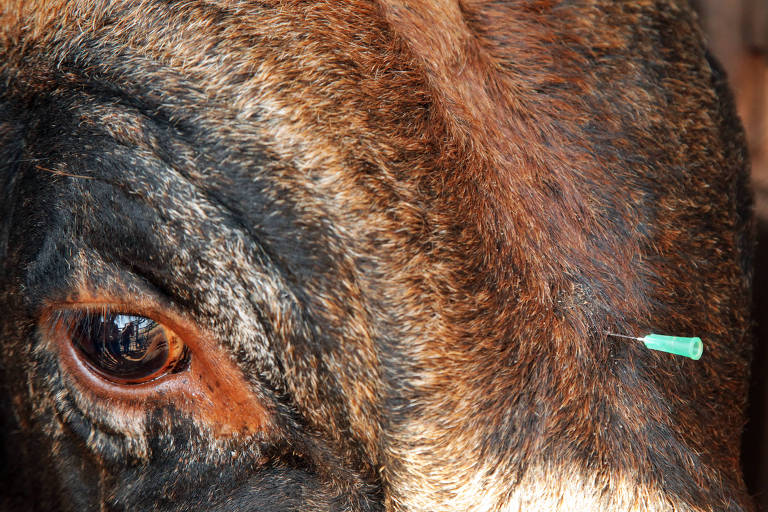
[122, 347]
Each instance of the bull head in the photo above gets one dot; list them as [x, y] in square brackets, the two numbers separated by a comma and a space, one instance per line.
[290, 255]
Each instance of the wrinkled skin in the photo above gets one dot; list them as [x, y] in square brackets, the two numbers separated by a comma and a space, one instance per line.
[392, 236]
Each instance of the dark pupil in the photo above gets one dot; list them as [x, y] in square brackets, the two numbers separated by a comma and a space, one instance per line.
[123, 347]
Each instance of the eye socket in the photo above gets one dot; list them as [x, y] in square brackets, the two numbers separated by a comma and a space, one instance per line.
[124, 348]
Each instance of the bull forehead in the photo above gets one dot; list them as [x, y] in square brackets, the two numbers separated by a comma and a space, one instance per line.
[481, 145]
[464, 153]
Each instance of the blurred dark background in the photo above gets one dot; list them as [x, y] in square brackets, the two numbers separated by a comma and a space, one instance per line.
[737, 32]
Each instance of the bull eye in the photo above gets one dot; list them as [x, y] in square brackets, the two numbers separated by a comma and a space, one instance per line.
[122, 347]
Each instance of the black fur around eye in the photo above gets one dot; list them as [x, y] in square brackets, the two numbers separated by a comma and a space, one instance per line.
[124, 348]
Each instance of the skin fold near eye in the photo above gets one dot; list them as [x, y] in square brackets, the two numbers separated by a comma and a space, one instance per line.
[121, 347]
[129, 360]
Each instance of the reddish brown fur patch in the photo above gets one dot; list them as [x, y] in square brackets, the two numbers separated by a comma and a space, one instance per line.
[212, 391]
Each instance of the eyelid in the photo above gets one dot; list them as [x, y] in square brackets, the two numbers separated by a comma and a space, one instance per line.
[213, 390]
[123, 347]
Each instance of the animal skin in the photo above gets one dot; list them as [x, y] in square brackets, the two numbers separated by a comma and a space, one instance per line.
[392, 236]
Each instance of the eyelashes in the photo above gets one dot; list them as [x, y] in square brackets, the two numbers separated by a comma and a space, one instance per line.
[121, 347]
[119, 365]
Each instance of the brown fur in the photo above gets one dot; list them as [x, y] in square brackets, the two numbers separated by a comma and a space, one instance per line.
[496, 185]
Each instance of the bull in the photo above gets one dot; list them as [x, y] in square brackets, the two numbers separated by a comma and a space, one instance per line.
[365, 256]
